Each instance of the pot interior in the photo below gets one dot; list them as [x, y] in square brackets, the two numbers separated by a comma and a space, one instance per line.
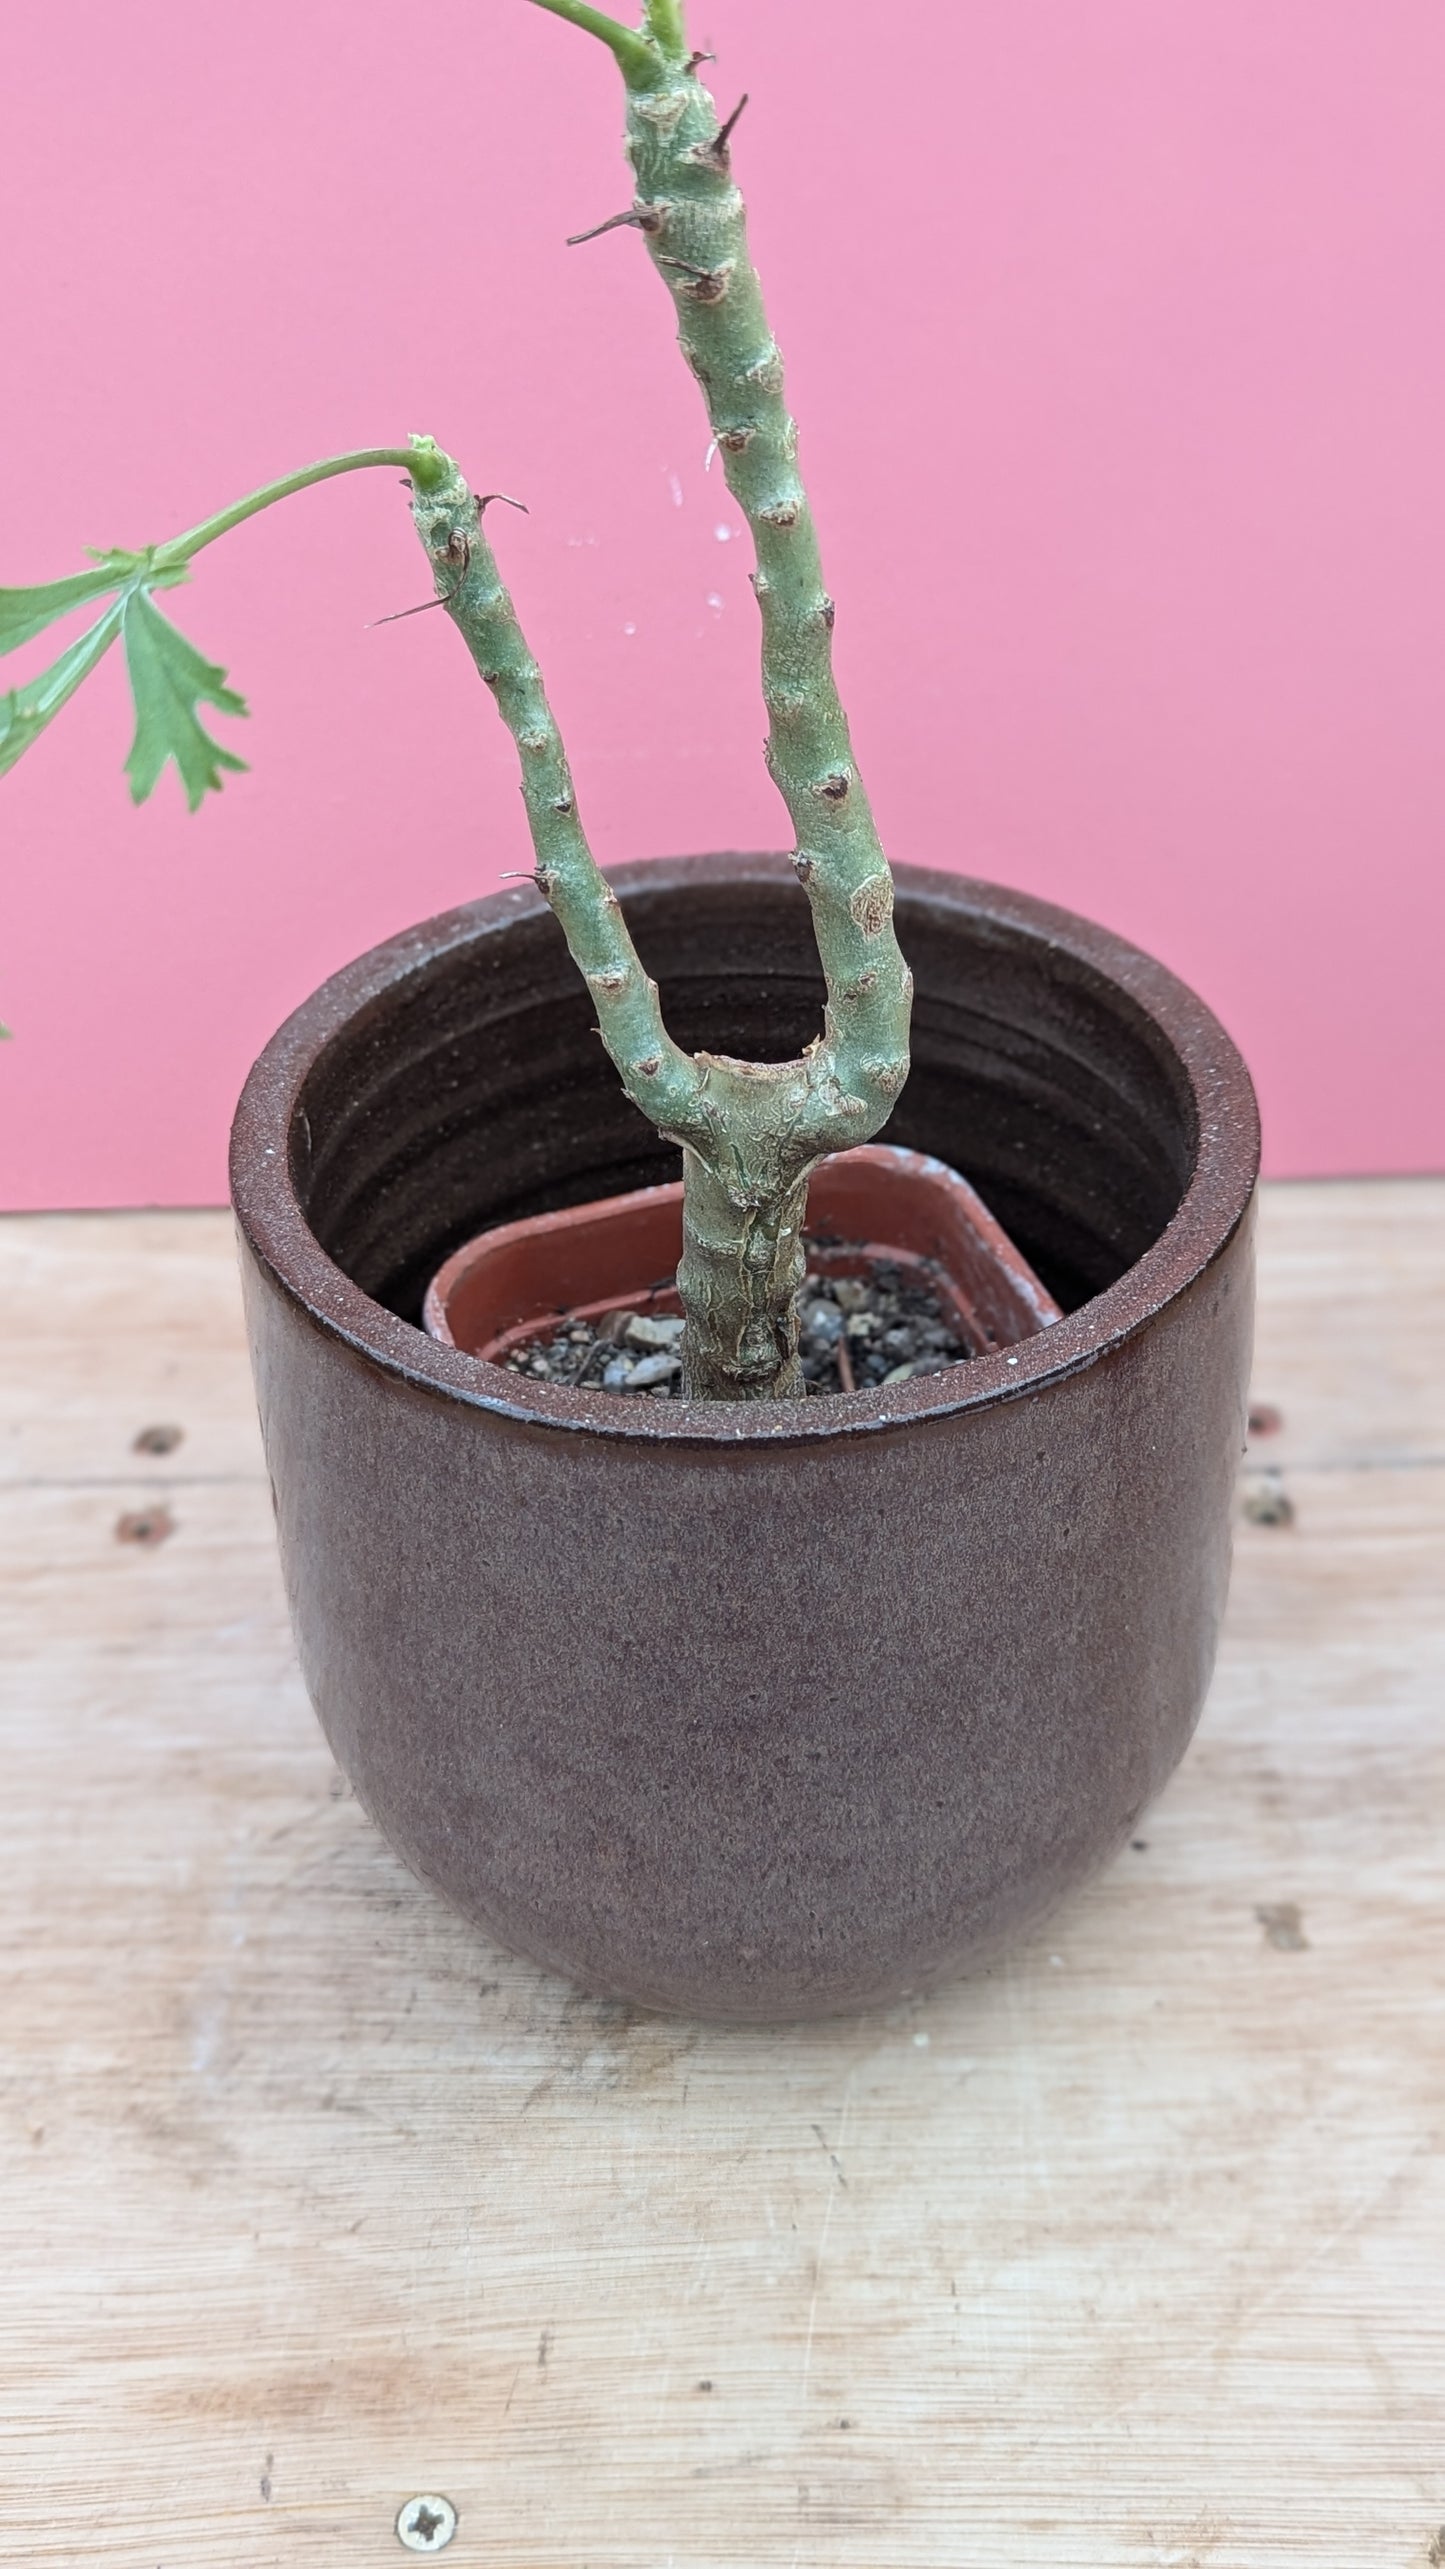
[471, 1088]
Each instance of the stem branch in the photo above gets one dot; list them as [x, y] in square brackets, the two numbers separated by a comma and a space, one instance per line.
[666, 27]
[639, 59]
[658, 1076]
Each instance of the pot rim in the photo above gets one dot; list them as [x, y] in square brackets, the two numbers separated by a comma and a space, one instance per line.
[1215, 1201]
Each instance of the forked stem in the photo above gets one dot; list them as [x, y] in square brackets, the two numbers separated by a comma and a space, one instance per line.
[760, 1128]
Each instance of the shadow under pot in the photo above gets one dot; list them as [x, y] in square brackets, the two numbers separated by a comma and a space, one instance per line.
[753, 1710]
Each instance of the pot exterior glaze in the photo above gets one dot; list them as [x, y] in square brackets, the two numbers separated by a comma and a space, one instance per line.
[754, 1711]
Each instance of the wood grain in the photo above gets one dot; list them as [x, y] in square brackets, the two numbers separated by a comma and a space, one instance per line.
[1130, 2255]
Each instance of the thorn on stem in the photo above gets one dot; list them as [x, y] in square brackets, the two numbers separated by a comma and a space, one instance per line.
[613, 223]
[457, 549]
[695, 61]
[403, 612]
[714, 154]
[485, 502]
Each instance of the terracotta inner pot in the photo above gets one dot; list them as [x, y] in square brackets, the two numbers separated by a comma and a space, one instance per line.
[874, 1206]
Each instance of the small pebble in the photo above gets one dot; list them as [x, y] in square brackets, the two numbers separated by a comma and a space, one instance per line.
[664, 1333]
[822, 1323]
[893, 1323]
[1283, 1926]
[650, 1370]
[1267, 1501]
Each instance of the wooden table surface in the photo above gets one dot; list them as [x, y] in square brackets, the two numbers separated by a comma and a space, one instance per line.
[1133, 2253]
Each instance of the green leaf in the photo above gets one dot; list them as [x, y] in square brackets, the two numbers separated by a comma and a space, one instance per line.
[168, 679]
[25, 712]
[26, 612]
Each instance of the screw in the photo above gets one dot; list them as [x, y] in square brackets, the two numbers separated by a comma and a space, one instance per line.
[426, 2524]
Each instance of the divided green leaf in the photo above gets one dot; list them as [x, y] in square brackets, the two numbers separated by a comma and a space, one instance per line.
[25, 711]
[168, 680]
[167, 674]
[26, 612]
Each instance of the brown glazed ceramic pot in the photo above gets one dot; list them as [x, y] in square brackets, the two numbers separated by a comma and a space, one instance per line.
[754, 1711]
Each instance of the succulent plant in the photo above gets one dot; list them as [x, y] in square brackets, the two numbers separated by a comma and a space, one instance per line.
[750, 1132]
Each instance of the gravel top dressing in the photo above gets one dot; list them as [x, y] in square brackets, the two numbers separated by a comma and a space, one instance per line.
[856, 1332]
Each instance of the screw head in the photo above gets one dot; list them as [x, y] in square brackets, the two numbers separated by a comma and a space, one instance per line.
[426, 2524]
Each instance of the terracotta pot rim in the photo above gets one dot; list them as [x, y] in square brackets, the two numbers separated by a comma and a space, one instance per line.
[1213, 1205]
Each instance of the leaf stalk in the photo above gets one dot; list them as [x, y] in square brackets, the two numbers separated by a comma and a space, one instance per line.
[183, 548]
[639, 58]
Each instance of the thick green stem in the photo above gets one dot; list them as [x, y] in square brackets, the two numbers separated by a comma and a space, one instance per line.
[751, 1132]
[657, 1075]
[742, 1264]
[778, 1123]
[692, 218]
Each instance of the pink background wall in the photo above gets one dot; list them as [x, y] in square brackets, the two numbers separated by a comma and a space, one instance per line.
[1114, 327]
